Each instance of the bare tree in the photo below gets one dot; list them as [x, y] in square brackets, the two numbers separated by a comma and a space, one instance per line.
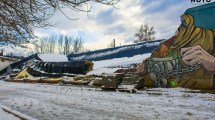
[36, 45]
[60, 44]
[78, 45]
[145, 33]
[67, 45]
[44, 47]
[51, 42]
[19, 17]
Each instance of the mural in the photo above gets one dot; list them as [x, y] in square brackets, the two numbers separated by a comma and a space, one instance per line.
[185, 60]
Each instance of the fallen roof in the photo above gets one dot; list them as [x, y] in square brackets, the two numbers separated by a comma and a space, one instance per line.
[117, 52]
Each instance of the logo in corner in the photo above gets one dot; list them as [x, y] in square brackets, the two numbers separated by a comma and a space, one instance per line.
[202, 1]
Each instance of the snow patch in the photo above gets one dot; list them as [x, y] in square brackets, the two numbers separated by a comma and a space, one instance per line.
[6, 116]
[15, 50]
[110, 66]
[53, 57]
[74, 102]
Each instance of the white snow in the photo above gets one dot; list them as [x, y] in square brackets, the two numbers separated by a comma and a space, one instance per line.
[53, 102]
[14, 50]
[20, 115]
[53, 57]
[6, 116]
[101, 71]
[110, 66]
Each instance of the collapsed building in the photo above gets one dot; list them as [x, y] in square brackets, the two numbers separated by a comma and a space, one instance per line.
[53, 65]
[54, 68]
[165, 63]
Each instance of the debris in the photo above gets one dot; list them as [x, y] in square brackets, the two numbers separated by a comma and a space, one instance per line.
[111, 81]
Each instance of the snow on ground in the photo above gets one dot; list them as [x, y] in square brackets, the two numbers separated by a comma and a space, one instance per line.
[54, 102]
[6, 116]
[110, 66]
[53, 57]
[100, 71]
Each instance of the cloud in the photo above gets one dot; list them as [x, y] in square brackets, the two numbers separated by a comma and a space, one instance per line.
[160, 5]
[105, 23]
[105, 17]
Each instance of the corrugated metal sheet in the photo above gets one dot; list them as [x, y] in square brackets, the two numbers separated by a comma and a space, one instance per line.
[117, 52]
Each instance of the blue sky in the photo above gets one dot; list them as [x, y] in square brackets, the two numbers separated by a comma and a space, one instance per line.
[105, 23]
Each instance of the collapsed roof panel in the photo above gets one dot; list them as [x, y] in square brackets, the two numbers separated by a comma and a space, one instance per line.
[117, 52]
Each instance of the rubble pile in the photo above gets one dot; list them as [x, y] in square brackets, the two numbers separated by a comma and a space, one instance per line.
[123, 82]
